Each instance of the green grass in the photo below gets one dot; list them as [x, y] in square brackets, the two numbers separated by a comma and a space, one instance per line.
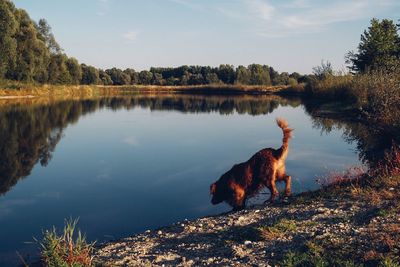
[66, 249]
[278, 230]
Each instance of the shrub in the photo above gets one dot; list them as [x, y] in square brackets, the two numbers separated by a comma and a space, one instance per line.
[378, 94]
[331, 87]
[69, 249]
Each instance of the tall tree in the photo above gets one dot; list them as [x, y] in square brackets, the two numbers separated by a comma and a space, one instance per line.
[31, 59]
[378, 47]
[58, 70]
[48, 37]
[90, 75]
[259, 75]
[226, 73]
[8, 43]
[74, 69]
[105, 78]
[145, 77]
[118, 76]
[242, 75]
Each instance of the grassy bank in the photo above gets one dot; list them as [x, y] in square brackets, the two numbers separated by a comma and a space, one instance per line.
[16, 89]
[376, 95]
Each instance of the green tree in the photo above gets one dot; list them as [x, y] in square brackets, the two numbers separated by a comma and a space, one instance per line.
[242, 75]
[8, 44]
[323, 71]
[32, 56]
[58, 70]
[133, 75]
[226, 73]
[145, 77]
[379, 47]
[75, 70]
[90, 75]
[118, 76]
[48, 37]
[158, 79]
[105, 78]
[212, 78]
[259, 75]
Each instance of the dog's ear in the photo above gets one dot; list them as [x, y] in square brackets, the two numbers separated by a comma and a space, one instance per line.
[213, 189]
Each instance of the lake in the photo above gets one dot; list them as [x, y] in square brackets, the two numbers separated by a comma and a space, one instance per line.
[128, 164]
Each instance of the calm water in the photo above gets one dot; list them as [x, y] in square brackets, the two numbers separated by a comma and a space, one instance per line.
[124, 165]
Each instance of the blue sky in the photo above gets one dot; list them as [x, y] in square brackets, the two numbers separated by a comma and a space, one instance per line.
[292, 35]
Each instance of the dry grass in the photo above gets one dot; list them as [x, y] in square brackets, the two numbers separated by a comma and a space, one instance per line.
[332, 87]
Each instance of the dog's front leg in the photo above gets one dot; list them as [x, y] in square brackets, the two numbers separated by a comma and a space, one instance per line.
[240, 199]
[288, 188]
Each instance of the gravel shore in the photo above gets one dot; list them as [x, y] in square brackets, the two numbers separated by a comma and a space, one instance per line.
[310, 228]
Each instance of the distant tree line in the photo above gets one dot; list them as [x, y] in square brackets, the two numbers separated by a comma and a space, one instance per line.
[30, 53]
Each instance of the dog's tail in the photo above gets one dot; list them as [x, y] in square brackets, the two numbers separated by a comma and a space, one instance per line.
[287, 133]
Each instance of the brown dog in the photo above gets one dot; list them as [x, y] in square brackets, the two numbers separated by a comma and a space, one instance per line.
[246, 179]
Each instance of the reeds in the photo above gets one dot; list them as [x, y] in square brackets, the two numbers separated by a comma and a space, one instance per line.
[68, 249]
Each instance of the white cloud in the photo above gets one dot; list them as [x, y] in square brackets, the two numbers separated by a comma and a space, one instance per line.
[302, 16]
[131, 36]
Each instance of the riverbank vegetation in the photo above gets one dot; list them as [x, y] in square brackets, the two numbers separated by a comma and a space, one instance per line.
[373, 85]
[66, 249]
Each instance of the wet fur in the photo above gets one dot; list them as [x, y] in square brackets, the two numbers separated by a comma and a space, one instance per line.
[246, 179]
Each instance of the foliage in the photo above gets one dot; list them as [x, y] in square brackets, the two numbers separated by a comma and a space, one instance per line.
[323, 71]
[90, 75]
[69, 249]
[378, 95]
[379, 47]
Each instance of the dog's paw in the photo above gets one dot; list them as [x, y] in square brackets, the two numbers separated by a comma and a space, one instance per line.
[269, 202]
[286, 200]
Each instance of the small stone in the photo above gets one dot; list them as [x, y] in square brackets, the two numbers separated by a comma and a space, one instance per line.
[159, 232]
[247, 242]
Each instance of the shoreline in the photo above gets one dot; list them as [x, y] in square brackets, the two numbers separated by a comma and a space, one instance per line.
[65, 90]
[322, 226]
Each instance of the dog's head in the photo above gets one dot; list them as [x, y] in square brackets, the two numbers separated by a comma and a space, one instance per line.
[218, 193]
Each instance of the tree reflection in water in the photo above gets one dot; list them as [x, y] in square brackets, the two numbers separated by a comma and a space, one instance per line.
[373, 142]
[30, 133]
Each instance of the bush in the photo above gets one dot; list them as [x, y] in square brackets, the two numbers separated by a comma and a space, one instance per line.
[378, 94]
[331, 87]
[69, 249]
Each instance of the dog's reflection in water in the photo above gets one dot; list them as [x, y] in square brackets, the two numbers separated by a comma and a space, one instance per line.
[246, 179]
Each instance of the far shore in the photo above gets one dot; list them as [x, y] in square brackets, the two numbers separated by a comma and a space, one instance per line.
[29, 91]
